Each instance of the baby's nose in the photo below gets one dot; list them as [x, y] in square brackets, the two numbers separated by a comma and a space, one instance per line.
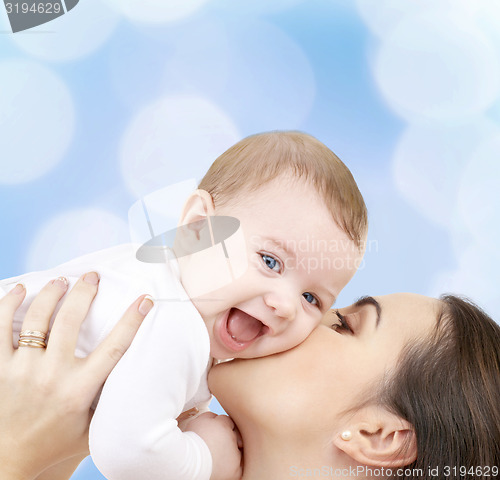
[282, 304]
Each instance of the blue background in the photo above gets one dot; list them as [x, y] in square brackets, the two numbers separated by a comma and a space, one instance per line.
[118, 98]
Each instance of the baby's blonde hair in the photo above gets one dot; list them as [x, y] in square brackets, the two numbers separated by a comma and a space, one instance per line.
[261, 158]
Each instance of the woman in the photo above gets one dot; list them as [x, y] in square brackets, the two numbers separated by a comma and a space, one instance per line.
[399, 385]
[402, 386]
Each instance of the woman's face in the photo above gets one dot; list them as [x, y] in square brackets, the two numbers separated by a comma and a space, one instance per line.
[310, 386]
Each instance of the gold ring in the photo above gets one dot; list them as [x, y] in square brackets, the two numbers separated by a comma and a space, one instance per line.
[32, 334]
[32, 343]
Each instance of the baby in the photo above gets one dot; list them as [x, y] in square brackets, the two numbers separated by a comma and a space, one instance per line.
[301, 225]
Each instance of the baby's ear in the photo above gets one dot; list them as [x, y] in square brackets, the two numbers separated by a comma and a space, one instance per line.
[379, 438]
[193, 233]
[198, 206]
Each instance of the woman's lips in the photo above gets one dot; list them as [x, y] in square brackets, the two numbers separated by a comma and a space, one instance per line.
[239, 330]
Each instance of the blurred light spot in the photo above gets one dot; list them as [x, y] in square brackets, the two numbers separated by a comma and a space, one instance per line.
[74, 233]
[76, 34]
[199, 57]
[487, 17]
[175, 138]
[381, 16]
[270, 83]
[429, 162]
[37, 120]
[264, 82]
[479, 196]
[437, 66]
[476, 277]
[135, 67]
[156, 11]
[255, 6]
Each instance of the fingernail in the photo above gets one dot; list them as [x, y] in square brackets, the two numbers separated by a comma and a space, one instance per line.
[61, 282]
[18, 289]
[146, 305]
[91, 277]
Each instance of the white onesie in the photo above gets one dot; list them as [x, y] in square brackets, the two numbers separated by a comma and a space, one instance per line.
[134, 433]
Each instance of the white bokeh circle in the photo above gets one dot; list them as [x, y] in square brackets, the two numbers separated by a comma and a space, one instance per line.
[487, 18]
[437, 66]
[71, 36]
[74, 233]
[264, 81]
[479, 196]
[199, 57]
[155, 11]
[476, 277]
[37, 118]
[255, 6]
[381, 16]
[270, 83]
[428, 165]
[175, 138]
[135, 69]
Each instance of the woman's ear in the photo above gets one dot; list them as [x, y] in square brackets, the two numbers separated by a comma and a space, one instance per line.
[377, 437]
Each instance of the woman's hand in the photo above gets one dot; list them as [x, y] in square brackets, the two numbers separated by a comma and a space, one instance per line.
[46, 394]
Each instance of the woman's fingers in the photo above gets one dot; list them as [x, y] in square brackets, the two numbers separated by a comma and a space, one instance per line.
[108, 353]
[41, 309]
[66, 327]
[8, 306]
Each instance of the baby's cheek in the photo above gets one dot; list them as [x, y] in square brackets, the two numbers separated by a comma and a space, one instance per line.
[304, 330]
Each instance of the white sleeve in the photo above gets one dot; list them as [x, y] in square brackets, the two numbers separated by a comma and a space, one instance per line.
[134, 434]
[120, 285]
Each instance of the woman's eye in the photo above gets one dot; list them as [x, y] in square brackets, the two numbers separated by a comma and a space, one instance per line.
[310, 298]
[343, 324]
[271, 262]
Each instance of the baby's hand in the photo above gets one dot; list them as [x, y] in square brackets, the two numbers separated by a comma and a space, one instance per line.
[221, 435]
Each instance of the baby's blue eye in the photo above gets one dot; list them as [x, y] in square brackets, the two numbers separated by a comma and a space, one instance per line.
[310, 298]
[271, 262]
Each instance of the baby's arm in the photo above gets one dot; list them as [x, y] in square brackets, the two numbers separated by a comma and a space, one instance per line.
[223, 440]
[134, 434]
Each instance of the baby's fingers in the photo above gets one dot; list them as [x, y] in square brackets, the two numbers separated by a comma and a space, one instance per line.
[227, 421]
[8, 306]
[100, 363]
[239, 439]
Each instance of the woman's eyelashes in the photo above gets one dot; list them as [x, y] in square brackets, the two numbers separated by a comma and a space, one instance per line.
[272, 262]
[343, 325]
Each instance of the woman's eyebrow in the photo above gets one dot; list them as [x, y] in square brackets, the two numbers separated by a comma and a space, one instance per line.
[361, 302]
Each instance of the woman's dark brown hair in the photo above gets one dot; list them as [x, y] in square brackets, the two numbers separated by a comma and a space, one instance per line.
[449, 390]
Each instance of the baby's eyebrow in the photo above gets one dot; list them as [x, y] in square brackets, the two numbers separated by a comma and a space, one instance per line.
[281, 245]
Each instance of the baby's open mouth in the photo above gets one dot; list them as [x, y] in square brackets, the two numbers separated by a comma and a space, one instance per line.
[241, 329]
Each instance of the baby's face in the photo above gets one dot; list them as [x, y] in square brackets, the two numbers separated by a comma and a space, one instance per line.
[297, 261]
